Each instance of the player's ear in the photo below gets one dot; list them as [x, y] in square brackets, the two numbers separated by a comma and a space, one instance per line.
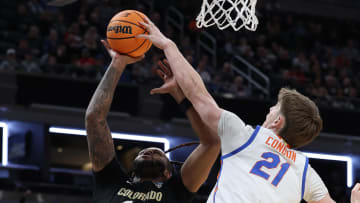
[278, 122]
[167, 173]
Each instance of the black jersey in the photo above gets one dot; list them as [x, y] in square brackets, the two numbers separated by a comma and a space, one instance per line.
[112, 185]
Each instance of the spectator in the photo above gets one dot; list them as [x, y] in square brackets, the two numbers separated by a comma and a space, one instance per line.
[34, 39]
[24, 19]
[46, 21]
[10, 63]
[350, 51]
[35, 7]
[190, 58]
[90, 41]
[301, 62]
[238, 88]
[226, 74]
[59, 24]
[86, 60]
[202, 70]
[51, 43]
[29, 65]
[186, 46]
[23, 48]
[331, 84]
[62, 54]
[83, 22]
[243, 46]
[217, 86]
[72, 37]
[51, 66]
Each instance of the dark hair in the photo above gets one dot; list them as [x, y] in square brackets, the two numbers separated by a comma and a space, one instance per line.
[180, 146]
[302, 118]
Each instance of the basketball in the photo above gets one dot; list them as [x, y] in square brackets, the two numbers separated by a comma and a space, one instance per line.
[121, 32]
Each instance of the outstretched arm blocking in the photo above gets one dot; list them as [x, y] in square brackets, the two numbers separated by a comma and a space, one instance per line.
[197, 166]
[193, 87]
[188, 79]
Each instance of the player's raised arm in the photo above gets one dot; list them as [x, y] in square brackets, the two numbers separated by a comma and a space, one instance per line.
[197, 166]
[101, 146]
[188, 79]
[355, 194]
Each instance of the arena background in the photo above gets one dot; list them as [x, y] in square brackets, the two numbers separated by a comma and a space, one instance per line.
[51, 62]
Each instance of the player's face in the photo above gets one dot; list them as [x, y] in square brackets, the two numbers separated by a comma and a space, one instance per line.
[273, 114]
[150, 163]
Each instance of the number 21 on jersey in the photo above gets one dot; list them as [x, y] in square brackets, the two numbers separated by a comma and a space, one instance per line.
[271, 161]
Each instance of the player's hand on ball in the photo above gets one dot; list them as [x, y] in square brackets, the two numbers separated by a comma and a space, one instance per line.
[155, 36]
[170, 85]
[355, 194]
[118, 59]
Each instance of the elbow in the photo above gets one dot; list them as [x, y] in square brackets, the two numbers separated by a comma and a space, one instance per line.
[91, 116]
[213, 142]
[216, 141]
[212, 146]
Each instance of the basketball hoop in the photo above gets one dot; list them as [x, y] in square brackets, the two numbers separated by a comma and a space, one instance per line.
[225, 13]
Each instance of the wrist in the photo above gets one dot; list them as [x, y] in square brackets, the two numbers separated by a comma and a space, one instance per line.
[168, 44]
[118, 63]
[177, 94]
[178, 97]
[185, 105]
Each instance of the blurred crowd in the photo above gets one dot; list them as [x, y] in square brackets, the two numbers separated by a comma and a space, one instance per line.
[318, 56]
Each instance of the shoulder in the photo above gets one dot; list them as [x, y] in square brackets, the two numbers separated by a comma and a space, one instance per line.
[228, 118]
[112, 173]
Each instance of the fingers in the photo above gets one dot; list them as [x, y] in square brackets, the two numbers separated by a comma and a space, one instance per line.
[143, 36]
[355, 194]
[160, 74]
[147, 20]
[356, 188]
[166, 62]
[106, 44]
[134, 60]
[158, 91]
[146, 25]
[164, 68]
[140, 58]
[107, 47]
[130, 59]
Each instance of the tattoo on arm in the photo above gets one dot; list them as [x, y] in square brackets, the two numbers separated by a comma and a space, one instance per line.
[100, 143]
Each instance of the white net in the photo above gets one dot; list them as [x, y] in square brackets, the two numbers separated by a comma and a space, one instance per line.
[225, 13]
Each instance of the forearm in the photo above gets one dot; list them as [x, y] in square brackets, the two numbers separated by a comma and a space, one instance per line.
[100, 102]
[193, 87]
[100, 143]
[206, 136]
[197, 166]
[188, 79]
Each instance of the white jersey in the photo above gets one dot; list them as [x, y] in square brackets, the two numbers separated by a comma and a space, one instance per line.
[258, 166]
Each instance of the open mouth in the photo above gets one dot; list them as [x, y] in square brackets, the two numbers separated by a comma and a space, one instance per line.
[146, 156]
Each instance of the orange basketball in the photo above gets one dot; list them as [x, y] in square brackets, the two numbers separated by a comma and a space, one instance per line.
[121, 32]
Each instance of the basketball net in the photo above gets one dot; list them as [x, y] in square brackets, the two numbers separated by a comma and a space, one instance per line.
[225, 13]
